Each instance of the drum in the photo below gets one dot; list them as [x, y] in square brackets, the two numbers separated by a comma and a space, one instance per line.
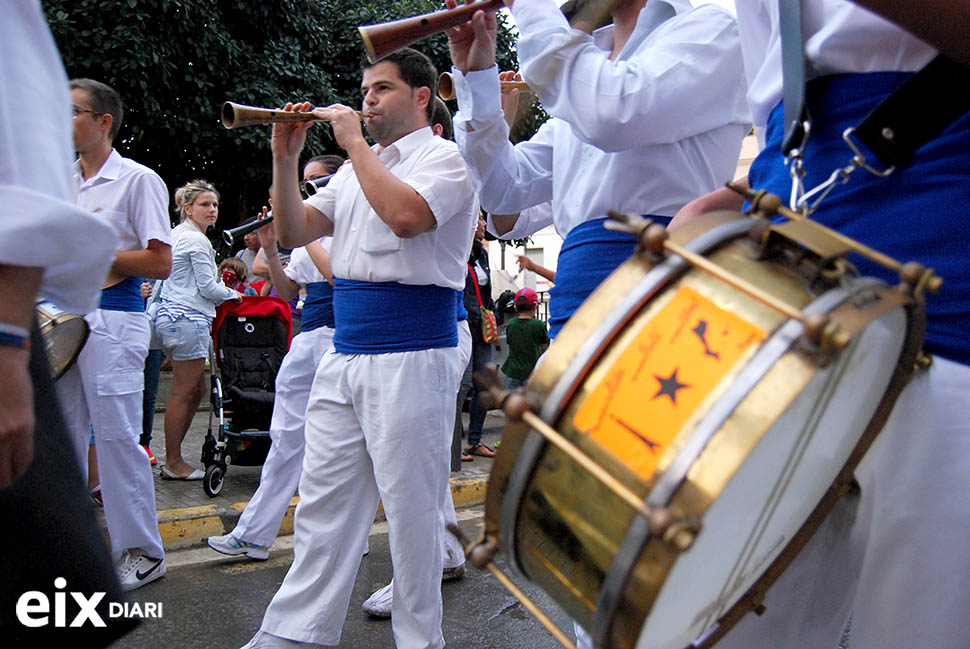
[734, 430]
[64, 335]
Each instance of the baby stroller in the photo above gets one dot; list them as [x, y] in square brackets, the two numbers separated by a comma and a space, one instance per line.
[249, 340]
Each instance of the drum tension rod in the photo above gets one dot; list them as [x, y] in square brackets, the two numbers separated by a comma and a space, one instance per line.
[654, 241]
[915, 277]
[483, 561]
[664, 522]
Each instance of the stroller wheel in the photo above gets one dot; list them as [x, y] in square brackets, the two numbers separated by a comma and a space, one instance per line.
[212, 482]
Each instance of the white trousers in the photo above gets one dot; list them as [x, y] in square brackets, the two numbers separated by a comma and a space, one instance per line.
[104, 390]
[280, 475]
[378, 427]
[454, 554]
[896, 557]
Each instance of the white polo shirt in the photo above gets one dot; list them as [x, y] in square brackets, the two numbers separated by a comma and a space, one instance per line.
[129, 196]
[364, 248]
[40, 226]
[647, 133]
[839, 37]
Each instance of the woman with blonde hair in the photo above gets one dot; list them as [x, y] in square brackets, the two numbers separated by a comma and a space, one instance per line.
[188, 300]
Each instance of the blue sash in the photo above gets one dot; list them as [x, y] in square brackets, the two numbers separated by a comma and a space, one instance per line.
[918, 213]
[386, 317]
[123, 296]
[588, 255]
[460, 305]
[317, 307]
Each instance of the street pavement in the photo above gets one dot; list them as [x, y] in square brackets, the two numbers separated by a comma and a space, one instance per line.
[213, 601]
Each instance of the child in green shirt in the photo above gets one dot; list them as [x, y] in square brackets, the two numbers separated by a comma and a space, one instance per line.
[526, 338]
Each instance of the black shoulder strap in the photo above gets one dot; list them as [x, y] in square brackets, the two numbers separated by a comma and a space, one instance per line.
[917, 112]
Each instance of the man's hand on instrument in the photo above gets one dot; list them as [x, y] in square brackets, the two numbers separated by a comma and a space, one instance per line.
[510, 98]
[289, 137]
[525, 263]
[16, 415]
[267, 233]
[346, 125]
[472, 44]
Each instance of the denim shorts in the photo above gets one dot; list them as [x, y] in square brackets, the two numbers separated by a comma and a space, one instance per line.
[183, 339]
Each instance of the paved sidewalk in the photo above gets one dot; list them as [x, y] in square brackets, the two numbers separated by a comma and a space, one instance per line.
[187, 516]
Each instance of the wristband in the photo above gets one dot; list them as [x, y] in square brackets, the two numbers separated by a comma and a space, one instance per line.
[14, 336]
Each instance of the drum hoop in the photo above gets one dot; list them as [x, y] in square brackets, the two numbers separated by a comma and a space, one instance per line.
[637, 536]
[655, 279]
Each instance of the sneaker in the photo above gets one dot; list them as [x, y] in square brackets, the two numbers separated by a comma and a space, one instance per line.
[229, 544]
[151, 456]
[137, 569]
[453, 573]
[379, 603]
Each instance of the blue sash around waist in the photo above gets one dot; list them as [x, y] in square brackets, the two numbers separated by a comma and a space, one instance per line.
[317, 307]
[387, 317]
[588, 255]
[123, 296]
[460, 305]
[918, 213]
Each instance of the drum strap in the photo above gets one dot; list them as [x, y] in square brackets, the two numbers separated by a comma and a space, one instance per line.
[917, 112]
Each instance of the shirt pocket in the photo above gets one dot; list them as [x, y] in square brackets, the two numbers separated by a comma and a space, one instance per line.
[377, 237]
[118, 220]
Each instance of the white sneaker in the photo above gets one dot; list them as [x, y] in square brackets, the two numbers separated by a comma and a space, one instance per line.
[136, 569]
[379, 603]
[229, 544]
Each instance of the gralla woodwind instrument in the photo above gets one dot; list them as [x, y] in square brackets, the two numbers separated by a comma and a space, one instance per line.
[446, 86]
[237, 115]
[385, 38]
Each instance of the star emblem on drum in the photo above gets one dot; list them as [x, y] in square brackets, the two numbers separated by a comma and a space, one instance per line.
[669, 386]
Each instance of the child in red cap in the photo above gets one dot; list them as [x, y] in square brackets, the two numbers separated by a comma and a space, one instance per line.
[527, 338]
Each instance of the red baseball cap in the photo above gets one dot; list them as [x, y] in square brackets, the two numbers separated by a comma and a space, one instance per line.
[526, 296]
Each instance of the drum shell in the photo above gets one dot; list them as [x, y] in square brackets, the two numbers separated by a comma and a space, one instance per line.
[568, 527]
[64, 335]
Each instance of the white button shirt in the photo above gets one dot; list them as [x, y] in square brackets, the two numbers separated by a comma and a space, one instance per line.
[364, 247]
[40, 227]
[301, 268]
[647, 133]
[129, 196]
[839, 37]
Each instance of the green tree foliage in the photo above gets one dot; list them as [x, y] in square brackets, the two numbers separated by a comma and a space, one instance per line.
[175, 62]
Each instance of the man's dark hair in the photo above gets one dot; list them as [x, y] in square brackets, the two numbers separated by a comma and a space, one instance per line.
[415, 69]
[104, 99]
[331, 162]
[441, 115]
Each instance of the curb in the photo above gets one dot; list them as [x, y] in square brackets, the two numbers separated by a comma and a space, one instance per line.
[189, 527]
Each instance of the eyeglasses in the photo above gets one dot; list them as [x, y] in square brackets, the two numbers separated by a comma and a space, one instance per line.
[77, 111]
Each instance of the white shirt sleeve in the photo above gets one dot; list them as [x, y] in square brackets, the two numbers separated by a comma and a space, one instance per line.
[508, 178]
[529, 221]
[40, 227]
[148, 197]
[690, 62]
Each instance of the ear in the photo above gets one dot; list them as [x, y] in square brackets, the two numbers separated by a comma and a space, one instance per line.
[437, 129]
[423, 96]
[107, 120]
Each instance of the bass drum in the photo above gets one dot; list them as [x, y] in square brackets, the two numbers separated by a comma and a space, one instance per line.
[64, 335]
[736, 431]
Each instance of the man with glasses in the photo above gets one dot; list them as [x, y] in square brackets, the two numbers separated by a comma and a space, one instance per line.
[104, 389]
